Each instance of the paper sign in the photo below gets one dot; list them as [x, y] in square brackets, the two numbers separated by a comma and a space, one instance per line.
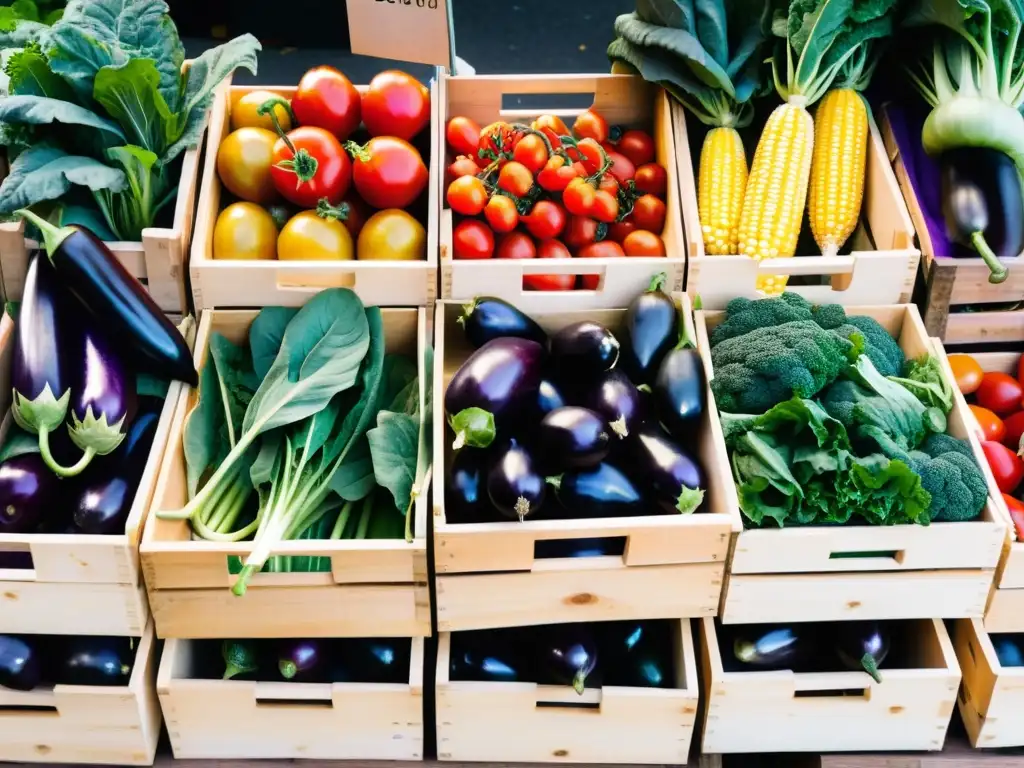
[407, 30]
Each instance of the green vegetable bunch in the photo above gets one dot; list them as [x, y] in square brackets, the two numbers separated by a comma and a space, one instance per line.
[294, 430]
[45, 12]
[99, 103]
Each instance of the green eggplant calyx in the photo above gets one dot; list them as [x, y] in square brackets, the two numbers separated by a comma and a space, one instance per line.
[473, 427]
[239, 659]
[44, 412]
[579, 681]
[619, 427]
[52, 236]
[744, 651]
[871, 667]
[467, 310]
[287, 668]
[657, 283]
[689, 499]
[555, 481]
[95, 433]
[999, 272]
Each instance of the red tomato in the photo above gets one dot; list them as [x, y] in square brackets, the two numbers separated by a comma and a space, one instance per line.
[605, 249]
[1016, 509]
[1014, 429]
[552, 126]
[622, 169]
[531, 152]
[388, 172]
[463, 136]
[501, 214]
[580, 232]
[497, 142]
[578, 197]
[325, 98]
[1005, 465]
[638, 146]
[1020, 370]
[396, 104]
[516, 245]
[557, 174]
[319, 167]
[651, 178]
[589, 154]
[992, 426]
[472, 239]
[609, 184]
[546, 220]
[605, 206]
[999, 392]
[467, 195]
[643, 243]
[550, 249]
[515, 178]
[966, 371]
[591, 125]
[649, 213]
[621, 229]
[462, 166]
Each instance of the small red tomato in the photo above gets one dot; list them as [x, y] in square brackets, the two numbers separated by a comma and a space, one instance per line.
[552, 126]
[605, 249]
[557, 174]
[515, 178]
[605, 206]
[591, 125]
[609, 184]
[516, 245]
[326, 99]
[550, 249]
[649, 213]
[463, 136]
[1000, 393]
[501, 214]
[578, 197]
[1006, 465]
[462, 166]
[388, 172]
[467, 195]
[472, 239]
[531, 152]
[651, 178]
[589, 154]
[1016, 509]
[620, 230]
[319, 167]
[1014, 429]
[396, 104]
[643, 243]
[581, 231]
[546, 220]
[966, 371]
[992, 426]
[638, 146]
[622, 169]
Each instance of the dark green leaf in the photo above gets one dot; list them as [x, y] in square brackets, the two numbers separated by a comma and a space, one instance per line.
[712, 29]
[265, 336]
[394, 445]
[668, 13]
[30, 75]
[45, 173]
[18, 443]
[41, 110]
[130, 94]
[354, 478]
[89, 218]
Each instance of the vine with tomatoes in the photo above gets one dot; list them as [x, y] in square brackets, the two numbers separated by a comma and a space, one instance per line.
[543, 191]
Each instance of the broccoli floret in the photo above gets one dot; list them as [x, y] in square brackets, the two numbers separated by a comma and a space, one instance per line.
[939, 443]
[746, 315]
[957, 487]
[829, 316]
[767, 366]
[882, 348]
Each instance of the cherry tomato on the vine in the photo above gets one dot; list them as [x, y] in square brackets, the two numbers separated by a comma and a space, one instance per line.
[605, 249]
[326, 99]
[578, 197]
[581, 231]
[609, 184]
[531, 152]
[550, 249]
[638, 146]
[462, 166]
[310, 164]
[590, 154]
[388, 172]
[463, 136]
[515, 178]
[651, 178]
[605, 206]
[467, 195]
[546, 220]
[501, 214]
[622, 169]
[591, 125]
[552, 126]
[396, 104]
[556, 175]
[992, 426]
[497, 142]
[472, 239]
[649, 213]
[516, 245]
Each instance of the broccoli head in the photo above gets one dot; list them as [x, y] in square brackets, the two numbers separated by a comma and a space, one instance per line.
[882, 348]
[767, 366]
[957, 487]
[746, 315]
[829, 316]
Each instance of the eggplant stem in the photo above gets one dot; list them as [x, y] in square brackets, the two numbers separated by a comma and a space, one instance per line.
[871, 667]
[579, 681]
[287, 668]
[999, 270]
[657, 282]
[61, 471]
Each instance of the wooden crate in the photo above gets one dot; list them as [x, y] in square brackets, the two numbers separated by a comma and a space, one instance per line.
[247, 720]
[880, 269]
[376, 588]
[832, 573]
[672, 566]
[622, 100]
[228, 283]
[786, 711]
[78, 583]
[531, 723]
[949, 282]
[991, 700]
[89, 724]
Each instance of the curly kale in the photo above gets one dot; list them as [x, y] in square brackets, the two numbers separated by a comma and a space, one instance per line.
[882, 348]
[767, 366]
[746, 315]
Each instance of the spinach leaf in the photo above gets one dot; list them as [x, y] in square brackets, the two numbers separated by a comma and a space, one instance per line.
[130, 95]
[265, 336]
[393, 445]
[40, 110]
[264, 464]
[85, 217]
[46, 173]
[354, 479]
[386, 521]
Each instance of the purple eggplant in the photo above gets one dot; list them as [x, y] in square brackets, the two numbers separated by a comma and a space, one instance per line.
[514, 486]
[549, 397]
[675, 480]
[373, 660]
[96, 661]
[20, 669]
[495, 385]
[104, 498]
[299, 660]
[616, 398]
[485, 319]
[582, 351]
[768, 647]
[1008, 650]
[650, 331]
[465, 491]
[28, 493]
[573, 438]
[569, 655]
[637, 654]
[862, 645]
[679, 391]
[601, 491]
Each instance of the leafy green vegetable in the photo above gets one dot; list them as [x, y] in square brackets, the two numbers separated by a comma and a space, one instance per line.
[925, 380]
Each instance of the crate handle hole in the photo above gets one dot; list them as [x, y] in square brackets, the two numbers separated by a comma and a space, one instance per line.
[592, 706]
[564, 279]
[28, 709]
[279, 703]
[314, 281]
[16, 563]
[521, 106]
[551, 549]
[896, 555]
[846, 693]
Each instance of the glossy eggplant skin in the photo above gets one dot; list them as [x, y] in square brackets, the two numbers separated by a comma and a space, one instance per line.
[549, 397]
[29, 492]
[638, 654]
[373, 660]
[569, 655]
[107, 389]
[767, 647]
[486, 318]
[615, 397]
[486, 656]
[514, 486]
[582, 351]
[862, 646]
[983, 205]
[675, 480]
[299, 660]
[679, 391]
[650, 330]
[573, 438]
[20, 667]
[465, 490]
[96, 661]
[1008, 651]
[601, 491]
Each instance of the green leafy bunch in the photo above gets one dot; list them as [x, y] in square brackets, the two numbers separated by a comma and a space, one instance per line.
[44, 12]
[109, 109]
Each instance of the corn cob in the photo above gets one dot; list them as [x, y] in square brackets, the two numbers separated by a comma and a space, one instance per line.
[722, 182]
[773, 204]
[837, 170]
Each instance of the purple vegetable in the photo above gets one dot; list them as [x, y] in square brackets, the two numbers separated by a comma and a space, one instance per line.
[514, 486]
[570, 655]
[676, 481]
[862, 645]
[582, 351]
[618, 401]
[299, 659]
[649, 332]
[465, 492]
[20, 669]
[28, 493]
[573, 438]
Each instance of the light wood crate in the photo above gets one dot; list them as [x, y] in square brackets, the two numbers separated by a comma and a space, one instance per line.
[531, 723]
[229, 283]
[115, 725]
[949, 282]
[247, 720]
[835, 573]
[881, 268]
[672, 566]
[376, 588]
[78, 583]
[786, 711]
[991, 699]
[622, 100]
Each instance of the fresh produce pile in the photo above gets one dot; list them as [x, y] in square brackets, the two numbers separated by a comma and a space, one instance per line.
[996, 401]
[28, 662]
[100, 112]
[607, 421]
[826, 423]
[541, 191]
[309, 431]
[310, 185]
[632, 654]
[374, 660]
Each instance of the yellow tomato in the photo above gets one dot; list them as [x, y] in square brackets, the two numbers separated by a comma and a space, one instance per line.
[243, 164]
[244, 231]
[392, 234]
[244, 114]
[308, 236]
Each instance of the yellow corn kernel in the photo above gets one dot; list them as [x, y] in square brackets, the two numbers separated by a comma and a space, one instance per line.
[720, 187]
[773, 204]
[837, 171]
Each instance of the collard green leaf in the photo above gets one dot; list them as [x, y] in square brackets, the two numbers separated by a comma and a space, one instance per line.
[17, 33]
[386, 521]
[40, 110]
[236, 382]
[30, 75]
[816, 31]
[89, 218]
[265, 336]
[46, 173]
[398, 384]
[394, 444]
[679, 14]
[26, 9]
[712, 29]
[130, 94]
